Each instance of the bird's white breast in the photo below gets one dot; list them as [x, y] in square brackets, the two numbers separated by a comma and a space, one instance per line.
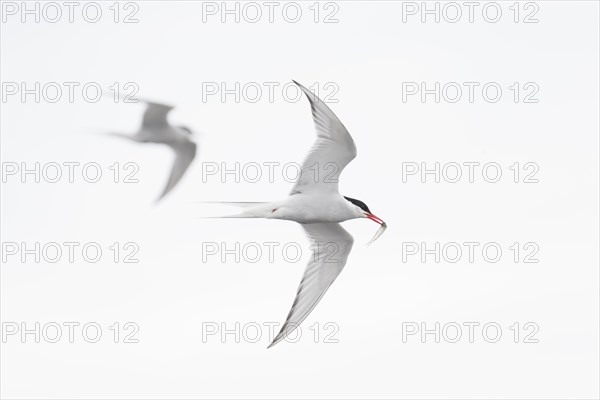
[312, 208]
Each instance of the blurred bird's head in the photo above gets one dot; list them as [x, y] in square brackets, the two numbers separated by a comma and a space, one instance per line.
[186, 129]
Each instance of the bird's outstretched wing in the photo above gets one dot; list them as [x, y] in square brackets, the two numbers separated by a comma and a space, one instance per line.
[331, 152]
[331, 245]
[155, 116]
[184, 155]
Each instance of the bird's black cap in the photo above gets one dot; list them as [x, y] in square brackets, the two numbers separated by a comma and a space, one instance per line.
[358, 203]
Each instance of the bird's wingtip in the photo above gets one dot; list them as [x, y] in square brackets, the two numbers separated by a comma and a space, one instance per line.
[159, 199]
[277, 339]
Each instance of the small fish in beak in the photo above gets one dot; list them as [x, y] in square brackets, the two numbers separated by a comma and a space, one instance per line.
[381, 229]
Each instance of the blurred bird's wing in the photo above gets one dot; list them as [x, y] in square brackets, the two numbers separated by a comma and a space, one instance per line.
[184, 155]
[331, 246]
[155, 116]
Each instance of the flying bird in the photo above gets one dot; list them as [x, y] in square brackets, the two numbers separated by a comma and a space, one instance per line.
[157, 129]
[317, 205]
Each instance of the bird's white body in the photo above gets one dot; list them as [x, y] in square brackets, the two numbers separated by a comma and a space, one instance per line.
[306, 208]
[169, 135]
[317, 205]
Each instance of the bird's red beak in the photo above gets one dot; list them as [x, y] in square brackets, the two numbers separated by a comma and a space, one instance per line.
[381, 229]
[375, 218]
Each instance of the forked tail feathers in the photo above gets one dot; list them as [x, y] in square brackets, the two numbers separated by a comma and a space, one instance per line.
[250, 209]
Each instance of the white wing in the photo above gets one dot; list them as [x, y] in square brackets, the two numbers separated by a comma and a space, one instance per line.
[184, 155]
[331, 245]
[332, 151]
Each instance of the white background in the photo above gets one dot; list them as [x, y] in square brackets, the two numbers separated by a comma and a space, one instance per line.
[170, 293]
